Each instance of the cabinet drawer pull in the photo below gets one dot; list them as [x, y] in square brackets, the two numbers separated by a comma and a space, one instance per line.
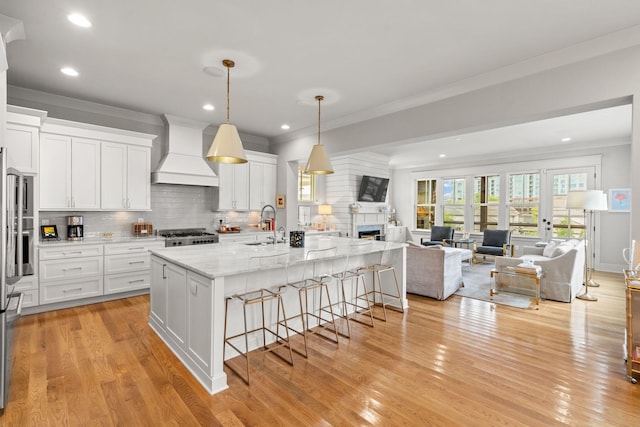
[74, 252]
[136, 249]
[136, 262]
[136, 281]
[72, 268]
[72, 290]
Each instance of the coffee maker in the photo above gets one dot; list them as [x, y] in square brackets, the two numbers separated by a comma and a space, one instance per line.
[75, 227]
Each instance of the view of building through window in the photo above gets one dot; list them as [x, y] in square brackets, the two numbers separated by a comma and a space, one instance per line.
[454, 198]
[524, 203]
[486, 202]
[567, 223]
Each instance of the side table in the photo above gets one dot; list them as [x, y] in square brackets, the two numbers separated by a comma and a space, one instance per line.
[464, 243]
[532, 273]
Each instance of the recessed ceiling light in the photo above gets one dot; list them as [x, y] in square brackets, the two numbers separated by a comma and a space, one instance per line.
[79, 20]
[567, 139]
[285, 127]
[208, 107]
[68, 71]
[442, 155]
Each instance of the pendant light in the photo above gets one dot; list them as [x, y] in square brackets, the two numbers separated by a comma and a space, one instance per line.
[318, 163]
[226, 146]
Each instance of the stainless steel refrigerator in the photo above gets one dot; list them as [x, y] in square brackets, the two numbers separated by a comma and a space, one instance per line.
[11, 264]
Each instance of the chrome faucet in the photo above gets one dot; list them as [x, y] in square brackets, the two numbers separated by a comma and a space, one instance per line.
[284, 233]
[274, 220]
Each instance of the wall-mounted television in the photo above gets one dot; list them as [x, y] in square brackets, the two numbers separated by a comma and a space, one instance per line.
[373, 189]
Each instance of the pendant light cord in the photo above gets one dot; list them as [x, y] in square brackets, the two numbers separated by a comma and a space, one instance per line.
[319, 98]
[229, 64]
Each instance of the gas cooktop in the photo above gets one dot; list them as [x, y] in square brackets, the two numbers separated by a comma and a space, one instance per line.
[187, 236]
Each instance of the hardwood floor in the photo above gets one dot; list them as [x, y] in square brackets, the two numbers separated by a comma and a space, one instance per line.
[457, 362]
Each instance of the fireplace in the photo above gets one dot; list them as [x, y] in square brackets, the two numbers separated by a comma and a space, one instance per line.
[373, 232]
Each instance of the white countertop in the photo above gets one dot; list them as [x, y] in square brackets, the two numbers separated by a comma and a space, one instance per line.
[100, 241]
[220, 260]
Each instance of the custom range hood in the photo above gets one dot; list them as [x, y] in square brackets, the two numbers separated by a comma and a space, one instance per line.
[183, 162]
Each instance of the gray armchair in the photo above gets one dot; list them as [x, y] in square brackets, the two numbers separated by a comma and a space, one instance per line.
[494, 243]
[440, 235]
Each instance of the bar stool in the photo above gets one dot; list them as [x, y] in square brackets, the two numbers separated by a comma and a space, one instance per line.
[258, 298]
[387, 259]
[309, 286]
[357, 304]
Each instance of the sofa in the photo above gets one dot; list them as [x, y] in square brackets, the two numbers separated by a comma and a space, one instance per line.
[434, 271]
[562, 265]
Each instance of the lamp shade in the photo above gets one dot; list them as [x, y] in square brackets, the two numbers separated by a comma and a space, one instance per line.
[324, 209]
[589, 200]
[226, 146]
[318, 163]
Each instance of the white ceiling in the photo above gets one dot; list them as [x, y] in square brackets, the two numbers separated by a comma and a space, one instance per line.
[364, 56]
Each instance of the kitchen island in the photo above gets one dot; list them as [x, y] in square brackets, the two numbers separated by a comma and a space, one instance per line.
[189, 286]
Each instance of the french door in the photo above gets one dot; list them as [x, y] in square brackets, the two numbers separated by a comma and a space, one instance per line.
[560, 222]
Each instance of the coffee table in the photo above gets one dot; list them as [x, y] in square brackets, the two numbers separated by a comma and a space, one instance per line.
[516, 277]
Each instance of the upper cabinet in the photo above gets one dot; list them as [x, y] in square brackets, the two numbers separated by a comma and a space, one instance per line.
[233, 190]
[247, 186]
[88, 167]
[262, 175]
[125, 177]
[22, 137]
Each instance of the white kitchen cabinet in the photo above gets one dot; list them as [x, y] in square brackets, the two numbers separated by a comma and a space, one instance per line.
[125, 177]
[69, 273]
[262, 177]
[168, 307]
[127, 266]
[69, 173]
[396, 233]
[233, 189]
[74, 175]
[199, 328]
[55, 172]
[23, 138]
[85, 174]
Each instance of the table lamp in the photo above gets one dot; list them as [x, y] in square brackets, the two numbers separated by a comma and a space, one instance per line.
[324, 210]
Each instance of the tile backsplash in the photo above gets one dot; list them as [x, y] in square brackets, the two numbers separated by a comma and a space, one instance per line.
[172, 206]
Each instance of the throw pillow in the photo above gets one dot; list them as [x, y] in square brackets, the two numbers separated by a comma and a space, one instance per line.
[548, 250]
[561, 249]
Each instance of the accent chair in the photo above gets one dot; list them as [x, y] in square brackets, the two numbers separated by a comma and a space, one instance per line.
[494, 243]
[440, 235]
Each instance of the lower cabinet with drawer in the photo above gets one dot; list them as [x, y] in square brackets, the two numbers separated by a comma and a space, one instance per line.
[127, 266]
[70, 273]
[28, 285]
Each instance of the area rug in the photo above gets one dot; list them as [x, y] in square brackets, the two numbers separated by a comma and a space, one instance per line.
[477, 283]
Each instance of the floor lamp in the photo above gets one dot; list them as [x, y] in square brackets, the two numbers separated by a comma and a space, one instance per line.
[589, 201]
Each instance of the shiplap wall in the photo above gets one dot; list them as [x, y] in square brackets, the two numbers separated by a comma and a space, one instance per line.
[342, 186]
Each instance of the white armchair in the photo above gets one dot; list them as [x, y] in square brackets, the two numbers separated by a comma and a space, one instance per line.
[562, 268]
[433, 271]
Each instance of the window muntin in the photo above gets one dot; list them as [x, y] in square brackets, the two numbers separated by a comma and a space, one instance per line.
[306, 186]
[524, 203]
[486, 202]
[425, 203]
[453, 206]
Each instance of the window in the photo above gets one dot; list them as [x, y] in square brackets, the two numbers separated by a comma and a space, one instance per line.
[425, 203]
[454, 196]
[524, 203]
[567, 223]
[486, 202]
[306, 186]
